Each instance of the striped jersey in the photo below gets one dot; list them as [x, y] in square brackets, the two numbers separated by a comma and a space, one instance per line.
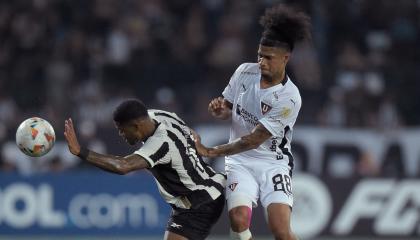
[276, 108]
[183, 178]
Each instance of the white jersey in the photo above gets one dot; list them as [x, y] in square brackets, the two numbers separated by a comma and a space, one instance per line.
[276, 108]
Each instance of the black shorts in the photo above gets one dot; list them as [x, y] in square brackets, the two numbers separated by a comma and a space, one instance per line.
[195, 224]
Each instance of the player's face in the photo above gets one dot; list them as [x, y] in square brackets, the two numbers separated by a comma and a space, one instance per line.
[129, 132]
[272, 62]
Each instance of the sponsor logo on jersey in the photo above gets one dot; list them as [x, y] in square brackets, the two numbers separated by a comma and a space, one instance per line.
[265, 108]
[285, 112]
[247, 116]
[243, 88]
[174, 225]
[233, 186]
[249, 73]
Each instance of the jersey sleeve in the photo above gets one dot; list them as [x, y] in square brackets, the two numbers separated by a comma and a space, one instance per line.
[155, 151]
[230, 90]
[283, 114]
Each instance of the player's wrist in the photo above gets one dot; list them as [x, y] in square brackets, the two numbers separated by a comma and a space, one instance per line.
[83, 153]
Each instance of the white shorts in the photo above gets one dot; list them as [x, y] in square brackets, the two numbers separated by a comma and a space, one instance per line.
[266, 181]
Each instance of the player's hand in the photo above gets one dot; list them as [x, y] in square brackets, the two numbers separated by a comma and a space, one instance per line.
[71, 138]
[201, 149]
[218, 109]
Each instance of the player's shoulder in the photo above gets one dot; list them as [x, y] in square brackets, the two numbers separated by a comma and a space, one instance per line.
[289, 89]
[161, 115]
[247, 73]
[248, 69]
[157, 112]
[289, 92]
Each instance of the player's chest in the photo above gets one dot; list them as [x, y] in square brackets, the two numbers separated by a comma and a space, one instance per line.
[252, 104]
[252, 100]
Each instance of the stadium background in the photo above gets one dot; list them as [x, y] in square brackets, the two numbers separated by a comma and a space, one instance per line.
[356, 139]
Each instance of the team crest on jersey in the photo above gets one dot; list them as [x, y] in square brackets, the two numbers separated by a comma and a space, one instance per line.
[233, 186]
[265, 108]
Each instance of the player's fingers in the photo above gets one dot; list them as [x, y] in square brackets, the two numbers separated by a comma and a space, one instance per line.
[66, 136]
[221, 100]
[194, 135]
[69, 133]
[71, 127]
[210, 107]
[216, 103]
[213, 105]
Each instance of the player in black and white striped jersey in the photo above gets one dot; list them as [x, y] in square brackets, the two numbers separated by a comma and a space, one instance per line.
[193, 189]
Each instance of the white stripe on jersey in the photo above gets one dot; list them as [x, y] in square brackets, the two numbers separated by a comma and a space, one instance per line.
[184, 179]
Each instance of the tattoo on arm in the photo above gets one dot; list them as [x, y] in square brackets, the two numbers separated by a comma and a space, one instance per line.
[258, 135]
[116, 164]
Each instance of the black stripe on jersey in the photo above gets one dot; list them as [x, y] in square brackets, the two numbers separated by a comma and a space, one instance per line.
[160, 153]
[182, 132]
[169, 179]
[190, 142]
[206, 167]
[200, 196]
[286, 151]
[169, 116]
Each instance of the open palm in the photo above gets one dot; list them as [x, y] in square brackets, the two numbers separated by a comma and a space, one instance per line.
[71, 137]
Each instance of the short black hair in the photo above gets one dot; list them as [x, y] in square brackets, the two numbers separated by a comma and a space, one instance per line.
[284, 26]
[129, 110]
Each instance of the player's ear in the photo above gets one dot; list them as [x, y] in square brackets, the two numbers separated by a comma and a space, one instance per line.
[136, 124]
[286, 57]
[139, 122]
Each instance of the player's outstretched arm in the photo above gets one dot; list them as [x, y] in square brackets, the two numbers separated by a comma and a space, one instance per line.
[251, 141]
[220, 108]
[111, 163]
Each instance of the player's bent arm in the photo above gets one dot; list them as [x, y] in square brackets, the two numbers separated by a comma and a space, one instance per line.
[251, 141]
[116, 164]
[220, 108]
[227, 113]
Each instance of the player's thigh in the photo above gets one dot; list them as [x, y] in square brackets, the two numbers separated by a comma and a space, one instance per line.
[278, 217]
[276, 186]
[241, 187]
[196, 223]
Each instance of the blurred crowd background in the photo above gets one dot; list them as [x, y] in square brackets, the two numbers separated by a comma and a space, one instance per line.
[78, 58]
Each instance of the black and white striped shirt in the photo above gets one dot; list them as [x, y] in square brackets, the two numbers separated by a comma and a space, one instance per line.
[183, 178]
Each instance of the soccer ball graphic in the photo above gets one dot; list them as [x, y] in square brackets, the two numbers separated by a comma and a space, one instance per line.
[35, 137]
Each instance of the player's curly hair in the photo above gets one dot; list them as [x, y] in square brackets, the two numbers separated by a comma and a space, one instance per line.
[284, 26]
[130, 110]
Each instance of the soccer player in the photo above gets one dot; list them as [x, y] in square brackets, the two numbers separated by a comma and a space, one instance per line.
[185, 181]
[263, 104]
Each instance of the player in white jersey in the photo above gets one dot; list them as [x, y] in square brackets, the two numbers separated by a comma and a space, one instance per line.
[263, 104]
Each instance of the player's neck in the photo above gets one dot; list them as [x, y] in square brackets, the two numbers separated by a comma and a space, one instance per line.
[267, 83]
[150, 125]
